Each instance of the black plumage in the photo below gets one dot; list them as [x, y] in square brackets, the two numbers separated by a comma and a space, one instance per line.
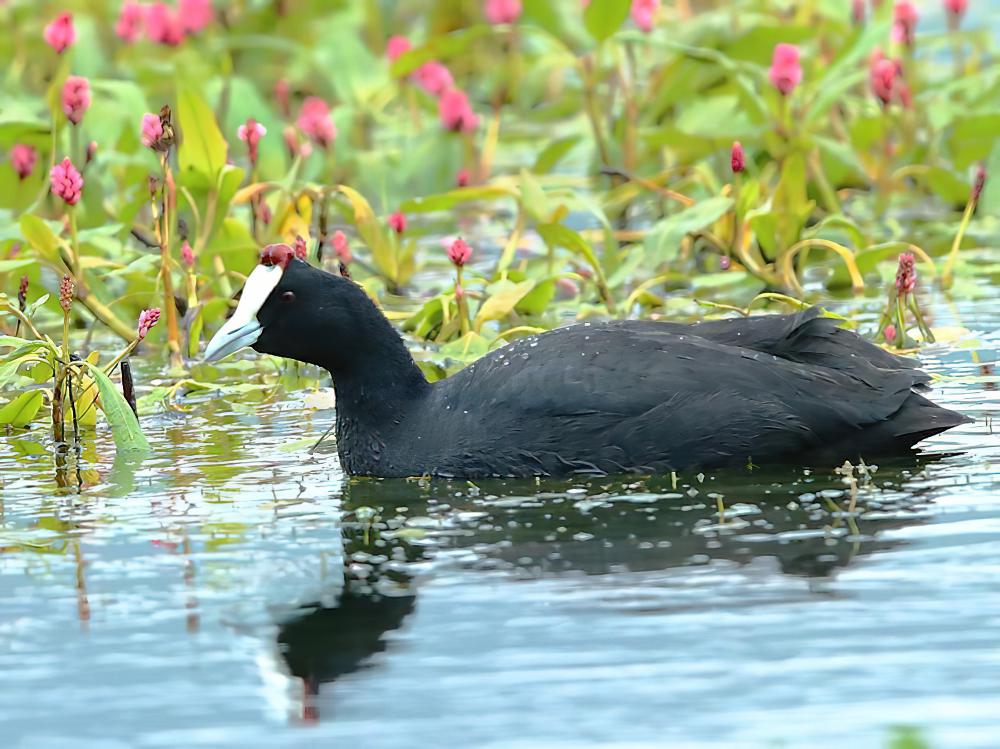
[621, 396]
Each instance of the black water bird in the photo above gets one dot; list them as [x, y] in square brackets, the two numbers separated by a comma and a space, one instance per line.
[628, 396]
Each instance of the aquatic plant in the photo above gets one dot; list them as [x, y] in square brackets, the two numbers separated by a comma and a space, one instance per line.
[611, 158]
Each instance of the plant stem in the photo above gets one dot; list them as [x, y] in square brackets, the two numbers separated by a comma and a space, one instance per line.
[949, 267]
[74, 245]
[169, 306]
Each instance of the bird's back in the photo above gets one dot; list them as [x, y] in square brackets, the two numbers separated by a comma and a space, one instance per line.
[649, 396]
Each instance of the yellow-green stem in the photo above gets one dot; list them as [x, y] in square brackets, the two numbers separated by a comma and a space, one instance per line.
[949, 266]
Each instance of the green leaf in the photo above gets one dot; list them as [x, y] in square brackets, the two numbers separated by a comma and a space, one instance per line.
[533, 198]
[124, 425]
[665, 237]
[372, 233]
[502, 301]
[604, 17]
[42, 238]
[553, 153]
[203, 149]
[20, 411]
[447, 200]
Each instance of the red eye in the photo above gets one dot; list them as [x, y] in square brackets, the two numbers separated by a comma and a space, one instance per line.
[288, 296]
[277, 254]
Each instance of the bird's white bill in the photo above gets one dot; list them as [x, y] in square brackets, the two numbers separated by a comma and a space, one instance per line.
[242, 329]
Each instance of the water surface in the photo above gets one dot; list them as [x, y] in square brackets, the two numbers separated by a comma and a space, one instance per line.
[234, 590]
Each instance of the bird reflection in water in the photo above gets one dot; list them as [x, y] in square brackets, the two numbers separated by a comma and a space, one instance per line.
[812, 525]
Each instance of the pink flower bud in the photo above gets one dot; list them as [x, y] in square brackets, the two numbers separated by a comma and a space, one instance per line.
[60, 34]
[66, 182]
[737, 159]
[858, 12]
[906, 274]
[979, 184]
[434, 78]
[152, 130]
[904, 22]
[300, 247]
[956, 8]
[568, 288]
[644, 13]
[785, 72]
[75, 98]
[250, 133]
[502, 11]
[187, 254]
[131, 19]
[725, 262]
[66, 291]
[23, 158]
[396, 47]
[282, 92]
[397, 222]
[459, 252]
[147, 319]
[889, 331]
[341, 247]
[163, 25]
[315, 121]
[195, 15]
[91, 152]
[463, 178]
[882, 78]
[455, 112]
[459, 292]
[22, 293]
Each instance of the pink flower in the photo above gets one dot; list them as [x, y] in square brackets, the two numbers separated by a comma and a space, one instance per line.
[883, 79]
[786, 71]
[187, 254]
[300, 247]
[163, 25]
[60, 34]
[397, 222]
[22, 158]
[75, 98]
[455, 112]
[463, 178]
[131, 18]
[396, 47]
[434, 78]
[904, 22]
[315, 121]
[147, 319]
[341, 247]
[858, 12]
[644, 13]
[906, 274]
[66, 182]
[152, 130]
[67, 289]
[295, 149]
[502, 11]
[956, 8]
[737, 159]
[250, 133]
[459, 252]
[195, 15]
[889, 332]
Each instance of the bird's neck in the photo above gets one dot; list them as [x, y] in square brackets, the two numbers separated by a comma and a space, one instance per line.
[375, 389]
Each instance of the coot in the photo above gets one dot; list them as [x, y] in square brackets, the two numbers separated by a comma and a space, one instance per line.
[626, 396]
